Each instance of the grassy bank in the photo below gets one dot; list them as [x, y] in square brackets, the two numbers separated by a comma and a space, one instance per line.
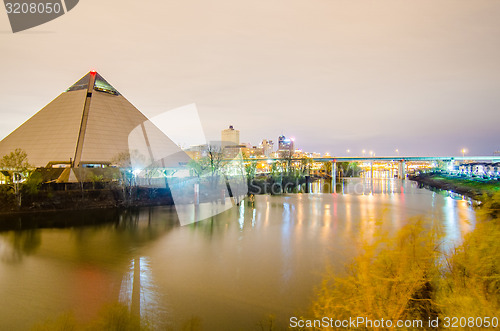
[475, 189]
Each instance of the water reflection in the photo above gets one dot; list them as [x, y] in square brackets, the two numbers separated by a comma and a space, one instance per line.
[18, 244]
[360, 186]
[46, 272]
[141, 294]
[459, 220]
[271, 266]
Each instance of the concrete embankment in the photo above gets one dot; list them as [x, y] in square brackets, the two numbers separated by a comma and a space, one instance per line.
[50, 200]
[472, 188]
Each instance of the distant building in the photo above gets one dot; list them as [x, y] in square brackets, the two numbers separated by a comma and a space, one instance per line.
[267, 147]
[285, 143]
[254, 152]
[298, 154]
[314, 154]
[230, 136]
[196, 152]
[232, 151]
[285, 146]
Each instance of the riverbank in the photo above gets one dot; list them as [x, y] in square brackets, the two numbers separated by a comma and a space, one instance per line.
[471, 188]
[104, 198]
[60, 218]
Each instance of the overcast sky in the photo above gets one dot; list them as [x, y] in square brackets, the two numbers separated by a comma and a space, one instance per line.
[421, 76]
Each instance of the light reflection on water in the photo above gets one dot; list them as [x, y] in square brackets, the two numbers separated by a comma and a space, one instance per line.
[229, 271]
[140, 293]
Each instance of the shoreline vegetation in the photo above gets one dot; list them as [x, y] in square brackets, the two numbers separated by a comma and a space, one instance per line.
[475, 189]
[413, 276]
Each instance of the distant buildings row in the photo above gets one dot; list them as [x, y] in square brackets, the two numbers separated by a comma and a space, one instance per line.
[230, 138]
[481, 170]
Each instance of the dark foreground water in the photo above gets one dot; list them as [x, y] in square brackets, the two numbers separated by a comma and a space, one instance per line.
[226, 273]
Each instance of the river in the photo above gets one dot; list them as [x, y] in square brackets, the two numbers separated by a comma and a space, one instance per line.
[228, 272]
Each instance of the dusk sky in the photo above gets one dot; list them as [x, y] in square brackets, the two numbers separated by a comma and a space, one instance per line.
[420, 76]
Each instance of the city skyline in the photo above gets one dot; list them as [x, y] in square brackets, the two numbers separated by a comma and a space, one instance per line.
[420, 77]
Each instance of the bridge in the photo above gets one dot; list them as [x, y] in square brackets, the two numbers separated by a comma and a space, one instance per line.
[387, 158]
[401, 159]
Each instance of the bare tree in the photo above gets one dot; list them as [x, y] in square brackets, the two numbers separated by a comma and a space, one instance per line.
[287, 157]
[124, 161]
[212, 162]
[216, 159]
[16, 165]
[305, 166]
[198, 167]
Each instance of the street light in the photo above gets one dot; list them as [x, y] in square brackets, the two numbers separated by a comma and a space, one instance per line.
[363, 151]
[397, 151]
[371, 153]
[463, 152]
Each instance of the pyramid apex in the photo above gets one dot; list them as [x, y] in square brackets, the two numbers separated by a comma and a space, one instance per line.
[100, 84]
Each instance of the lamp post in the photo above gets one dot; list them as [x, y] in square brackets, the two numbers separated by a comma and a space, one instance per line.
[463, 152]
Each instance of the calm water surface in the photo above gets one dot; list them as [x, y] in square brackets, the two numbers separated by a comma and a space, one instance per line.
[227, 273]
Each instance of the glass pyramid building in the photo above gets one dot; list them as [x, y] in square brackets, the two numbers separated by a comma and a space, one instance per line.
[89, 123]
